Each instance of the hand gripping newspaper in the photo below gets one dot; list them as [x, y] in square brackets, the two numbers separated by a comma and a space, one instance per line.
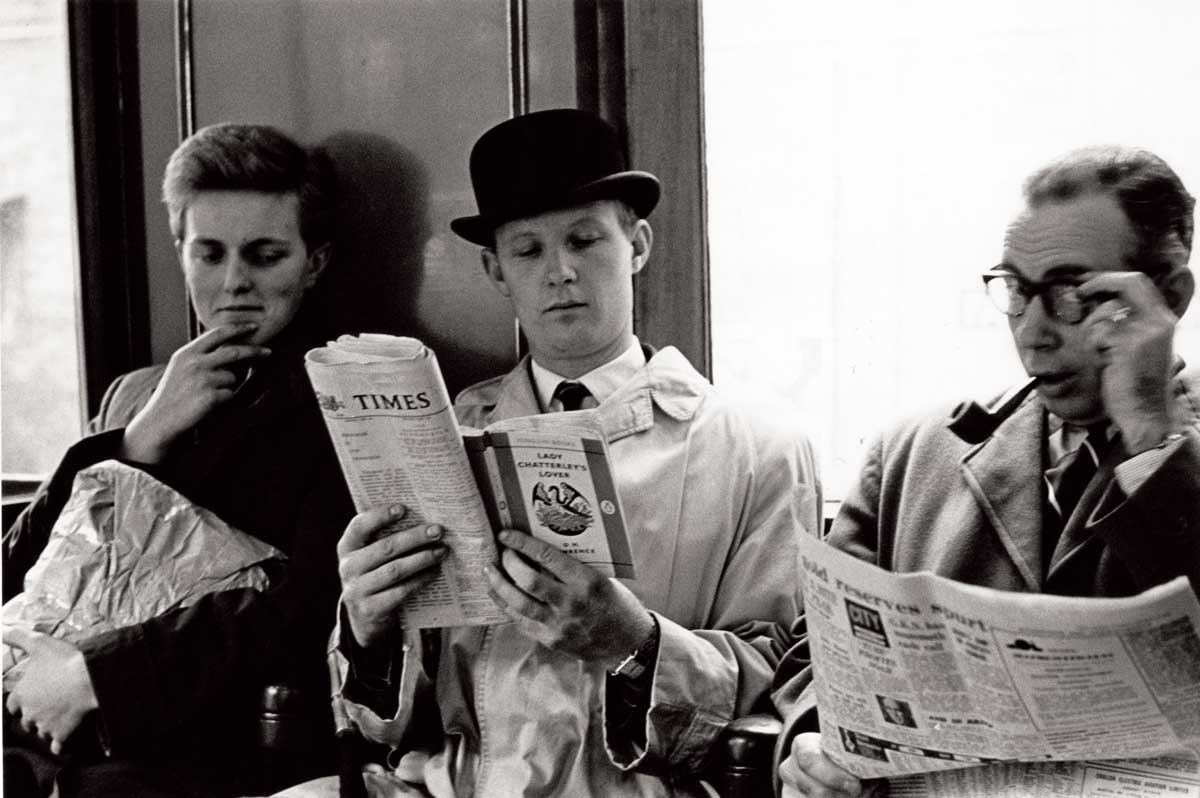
[993, 693]
[396, 436]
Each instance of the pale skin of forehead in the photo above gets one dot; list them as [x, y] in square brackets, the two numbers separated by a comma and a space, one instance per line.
[1087, 231]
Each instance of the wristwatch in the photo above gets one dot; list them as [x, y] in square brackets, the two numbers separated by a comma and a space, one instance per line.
[641, 657]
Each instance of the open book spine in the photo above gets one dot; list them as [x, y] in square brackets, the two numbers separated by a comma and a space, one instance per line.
[487, 477]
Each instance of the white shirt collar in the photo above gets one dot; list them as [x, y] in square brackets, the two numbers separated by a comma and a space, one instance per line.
[1066, 437]
[603, 381]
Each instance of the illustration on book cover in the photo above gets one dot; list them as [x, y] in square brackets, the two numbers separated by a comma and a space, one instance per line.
[561, 508]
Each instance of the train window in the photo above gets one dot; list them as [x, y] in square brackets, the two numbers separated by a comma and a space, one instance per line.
[39, 360]
[863, 159]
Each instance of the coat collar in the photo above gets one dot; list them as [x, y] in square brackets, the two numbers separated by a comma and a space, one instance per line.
[667, 381]
[516, 395]
[1005, 475]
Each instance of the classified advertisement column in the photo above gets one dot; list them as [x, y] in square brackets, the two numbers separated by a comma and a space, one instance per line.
[392, 425]
[916, 673]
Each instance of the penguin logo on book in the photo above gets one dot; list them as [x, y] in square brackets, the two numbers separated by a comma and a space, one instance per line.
[561, 508]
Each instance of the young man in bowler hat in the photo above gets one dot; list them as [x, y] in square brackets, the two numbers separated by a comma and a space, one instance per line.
[598, 687]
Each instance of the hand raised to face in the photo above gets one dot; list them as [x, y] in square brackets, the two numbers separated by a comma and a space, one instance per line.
[1114, 362]
[1133, 331]
[199, 377]
[563, 604]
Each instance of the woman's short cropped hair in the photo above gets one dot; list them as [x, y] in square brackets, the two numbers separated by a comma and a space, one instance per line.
[1152, 196]
[232, 157]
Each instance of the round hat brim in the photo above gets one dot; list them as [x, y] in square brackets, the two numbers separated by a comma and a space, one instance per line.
[640, 190]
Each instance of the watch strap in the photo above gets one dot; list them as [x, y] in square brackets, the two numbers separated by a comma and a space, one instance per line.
[640, 658]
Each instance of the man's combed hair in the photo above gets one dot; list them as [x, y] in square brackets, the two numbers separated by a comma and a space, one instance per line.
[1149, 192]
[231, 157]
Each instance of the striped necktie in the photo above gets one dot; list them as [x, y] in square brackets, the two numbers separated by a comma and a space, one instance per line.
[571, 394]
[1067, 480]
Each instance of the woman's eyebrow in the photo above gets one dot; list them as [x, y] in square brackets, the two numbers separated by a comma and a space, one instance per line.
[266, 241]
[205, 242]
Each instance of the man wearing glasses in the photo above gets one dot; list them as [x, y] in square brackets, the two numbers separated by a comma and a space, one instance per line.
[1092, 486]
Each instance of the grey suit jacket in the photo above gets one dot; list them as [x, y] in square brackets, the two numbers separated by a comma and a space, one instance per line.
[926, 501]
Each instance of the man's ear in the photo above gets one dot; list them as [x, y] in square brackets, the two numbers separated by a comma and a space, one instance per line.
[642, 240]
[491, 267]
[1177, 288]
[318, 259]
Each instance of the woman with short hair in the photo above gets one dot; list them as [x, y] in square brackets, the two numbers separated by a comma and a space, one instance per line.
[166, 707]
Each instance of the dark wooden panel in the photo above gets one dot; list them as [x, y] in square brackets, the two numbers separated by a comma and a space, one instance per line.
[664, 119]
[108, 164]
[162, 109]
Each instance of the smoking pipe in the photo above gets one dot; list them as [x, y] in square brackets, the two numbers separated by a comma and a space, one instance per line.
[975, 424]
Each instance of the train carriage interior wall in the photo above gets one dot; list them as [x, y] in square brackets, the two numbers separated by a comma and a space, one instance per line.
[835, 178]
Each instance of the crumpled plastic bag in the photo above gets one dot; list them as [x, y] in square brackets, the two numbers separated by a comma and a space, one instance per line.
[125, 549]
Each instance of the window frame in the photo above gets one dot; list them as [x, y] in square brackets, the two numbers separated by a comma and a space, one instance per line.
[639, 66]
[114, 328]
[112, 306]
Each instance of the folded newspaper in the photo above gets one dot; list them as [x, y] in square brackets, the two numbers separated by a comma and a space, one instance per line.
[916, 673]
[1173, 776]
[126, 548]
[398, 441]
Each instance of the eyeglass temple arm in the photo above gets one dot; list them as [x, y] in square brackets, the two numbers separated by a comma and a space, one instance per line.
[975, 424]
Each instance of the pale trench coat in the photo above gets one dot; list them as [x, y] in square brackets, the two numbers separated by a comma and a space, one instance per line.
[714, 500]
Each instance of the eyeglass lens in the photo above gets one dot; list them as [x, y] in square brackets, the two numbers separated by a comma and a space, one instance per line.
[1012, 296]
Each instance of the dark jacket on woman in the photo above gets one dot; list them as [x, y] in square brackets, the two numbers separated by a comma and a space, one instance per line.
[180, 692]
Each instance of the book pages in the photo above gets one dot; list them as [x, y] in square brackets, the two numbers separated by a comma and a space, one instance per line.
[398, 441]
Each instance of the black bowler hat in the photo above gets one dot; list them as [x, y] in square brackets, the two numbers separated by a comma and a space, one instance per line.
[545, 161]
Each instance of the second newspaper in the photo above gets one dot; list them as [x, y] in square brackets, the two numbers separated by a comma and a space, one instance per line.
[396, 436]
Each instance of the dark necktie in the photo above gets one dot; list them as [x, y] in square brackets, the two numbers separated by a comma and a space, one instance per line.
[1074, 472]
[571, 394]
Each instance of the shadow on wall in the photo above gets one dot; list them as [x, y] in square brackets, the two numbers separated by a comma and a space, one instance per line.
[378, 280]
[380, 229]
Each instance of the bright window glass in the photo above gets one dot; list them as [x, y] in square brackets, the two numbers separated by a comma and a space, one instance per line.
[39, 361]
[863, 161]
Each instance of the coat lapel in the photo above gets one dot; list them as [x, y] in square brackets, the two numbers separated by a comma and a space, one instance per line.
[516, 395]
[1005, 475]
[627, 411]
[1076, 533]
